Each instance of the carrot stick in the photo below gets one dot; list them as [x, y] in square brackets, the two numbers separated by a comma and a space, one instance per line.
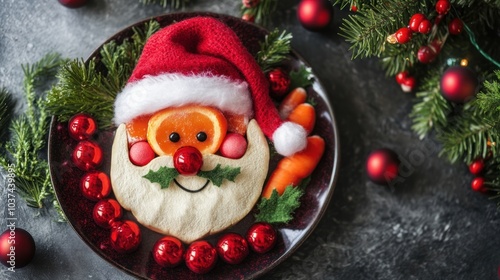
[291, 100]
[293, 169]
[305, 115]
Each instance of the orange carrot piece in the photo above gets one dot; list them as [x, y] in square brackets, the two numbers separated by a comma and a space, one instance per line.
[305, 115]
[293, 169]
[293, 99]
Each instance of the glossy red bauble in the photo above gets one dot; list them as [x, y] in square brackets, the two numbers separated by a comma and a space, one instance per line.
[106, 211]
[443, 7]
[458, 84]
[279, 82]
[477, 184]
[456, 26]
[87, 155]
[315, 15]
[403, 35]
[415, 21]
[81, 127]
[232, 248]
[476, 167]
[382, 166]
[73, 3]
[261, 237]
[17, 248]
[95, 185]
[141, 153]
[125, 236]
[200, 257]
[188, 160]
[168, 251]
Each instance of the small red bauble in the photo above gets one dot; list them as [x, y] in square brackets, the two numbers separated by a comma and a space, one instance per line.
[261, 237]
[250, 3]
[354, 8]
[95, 185]
[106, 211]
[73, 3]
[415, 21]
[141, 153]
[234, 146]
[315, 15]
[168, 251]
[17, 248]
[425, 26]
[401, 76]
[426, 54]
[188, 160]
[443, 6]
[232, 248]
[81, 127]
[456, 26]
[458, 84]
[125, 236]
[403, 35]
[477, 184]
[200, 257]
[87, 155]
[382, 166]
[408, 85]
[476, 167]
[279, 82]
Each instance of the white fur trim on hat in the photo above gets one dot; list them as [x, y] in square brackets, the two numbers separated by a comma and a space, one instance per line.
[153, 93]
[289, 138]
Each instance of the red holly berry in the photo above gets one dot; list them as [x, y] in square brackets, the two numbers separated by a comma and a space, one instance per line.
[382, 166]
[248, 17]
[478, 184]
[168, 251]
[354, 8]
[403, 35]
[426, 54]
[425, 26]
[477, 166]
[456, 26]
[200, 257]
[408, 85]
[17, 248]
[188, 160]
[125, 236]
[87, 155]
[232, 248]
[279, 82]
[443, 6]
[415, 21]
[401, 76]
[106, 211]
[81, 127]
[261, 237]
[95, 185]
[73, 3]
[250, 3]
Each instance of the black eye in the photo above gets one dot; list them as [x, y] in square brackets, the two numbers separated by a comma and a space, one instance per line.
[174, 137]
[201, 136]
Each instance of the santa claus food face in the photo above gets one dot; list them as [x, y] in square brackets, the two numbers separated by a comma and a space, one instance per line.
[165, 199]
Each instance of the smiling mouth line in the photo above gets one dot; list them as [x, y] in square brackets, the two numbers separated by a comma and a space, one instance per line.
[191, 191]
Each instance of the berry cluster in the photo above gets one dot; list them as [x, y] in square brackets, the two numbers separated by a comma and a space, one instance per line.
[476, 168]
[250, 7]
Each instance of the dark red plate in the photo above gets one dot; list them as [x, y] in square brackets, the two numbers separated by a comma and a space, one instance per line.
[66, 177]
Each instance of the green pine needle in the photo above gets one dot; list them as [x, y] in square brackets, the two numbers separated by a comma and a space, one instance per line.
[262, 12]
[274, 50]
[6, 112]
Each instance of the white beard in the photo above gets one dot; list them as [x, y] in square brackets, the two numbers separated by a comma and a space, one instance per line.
[185, 215]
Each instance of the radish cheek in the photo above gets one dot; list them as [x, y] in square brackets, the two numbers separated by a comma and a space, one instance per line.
[234, 146]
[141, 153]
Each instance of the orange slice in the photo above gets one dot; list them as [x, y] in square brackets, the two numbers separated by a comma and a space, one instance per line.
[236, 123]
[137, 129]
[192, 125]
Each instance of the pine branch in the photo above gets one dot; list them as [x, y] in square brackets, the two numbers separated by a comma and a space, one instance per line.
[488, 100]
[175, 4]
[262, 12]
[274, 50]
[6, 112]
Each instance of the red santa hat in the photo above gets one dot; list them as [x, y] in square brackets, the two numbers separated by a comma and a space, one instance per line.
[201, 60]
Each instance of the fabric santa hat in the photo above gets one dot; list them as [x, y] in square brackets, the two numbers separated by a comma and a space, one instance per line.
[201, 60]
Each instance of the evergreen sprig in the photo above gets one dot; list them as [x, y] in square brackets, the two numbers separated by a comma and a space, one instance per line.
[175, 4]
[274, 50]
[6, 111]
[261, 12]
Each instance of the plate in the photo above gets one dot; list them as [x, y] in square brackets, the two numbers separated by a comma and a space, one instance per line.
[65, 179]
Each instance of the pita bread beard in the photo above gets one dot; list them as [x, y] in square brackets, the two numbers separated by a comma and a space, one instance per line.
[190, 215]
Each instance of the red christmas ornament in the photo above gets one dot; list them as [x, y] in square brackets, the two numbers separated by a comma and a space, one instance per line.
[73, 3]
[200, 257]
[456, 26]
[477, 184]
[408, 84]
[17, 248]
[426, 54]
[125, 236]
[106, 211]
[425, 26]
[476, 167]
[188, 160]
[279, 82]
[415, 21]
[81, 127]
[261, 237]
[141, 153]
[458, 84]
[87, 155]
[250, 3]
[232, 248]
[382, 166]
[168, 251]
[315, 15]
[95, 185]
[403, 35]
[443, 6]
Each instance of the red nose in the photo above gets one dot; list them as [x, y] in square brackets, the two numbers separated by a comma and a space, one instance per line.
[188, 160]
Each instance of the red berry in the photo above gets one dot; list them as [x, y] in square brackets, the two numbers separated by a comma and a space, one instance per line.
[168, 251]
[403, 35]
[425, 26]
[426, 54]
[382, 166]
[476, 167]
[106, 211]
[95, 185]
[408, 85]
[87, 155]
[141, 153]
[261, 237]
[81, 127]
[188, 160]
[354, 8]
[456, 26]
[232, 248]
[73, 3]
[248, 17]
[279, 82]
[125, 236]
[201, 257]
[442, 7]
[415, 21]
[401, 76]
[250, 3]
[478, 184]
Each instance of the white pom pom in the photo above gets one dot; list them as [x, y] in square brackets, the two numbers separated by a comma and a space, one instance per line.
[289, 138]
